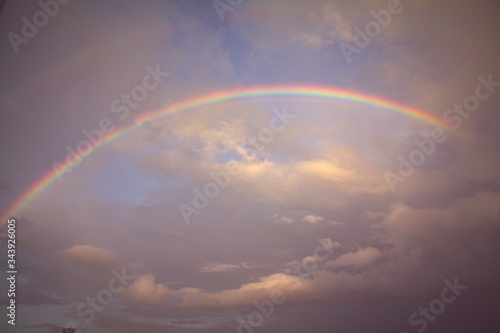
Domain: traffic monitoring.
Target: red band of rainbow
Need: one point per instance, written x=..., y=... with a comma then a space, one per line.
x=222, y=96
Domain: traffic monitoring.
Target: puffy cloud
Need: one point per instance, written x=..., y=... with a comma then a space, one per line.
x=144, y=289
x=243, y=295
x=356, y=259
x=453, y=235
x=328, y=244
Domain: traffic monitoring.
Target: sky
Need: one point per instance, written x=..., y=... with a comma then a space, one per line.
x=250, y=166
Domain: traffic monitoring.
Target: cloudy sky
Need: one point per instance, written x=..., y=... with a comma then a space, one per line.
x=271, y=213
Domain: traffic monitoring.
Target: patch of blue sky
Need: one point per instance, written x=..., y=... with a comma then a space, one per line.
x=230, y=155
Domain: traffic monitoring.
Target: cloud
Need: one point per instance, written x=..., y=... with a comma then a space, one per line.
x=325, y=169
x=330, y=27
x=327, y=244
x=215, y=267
x=282, y=219
x=89, y=255
x=313, y=218
x=144, y=289
x=457, y=233
x=356, y=259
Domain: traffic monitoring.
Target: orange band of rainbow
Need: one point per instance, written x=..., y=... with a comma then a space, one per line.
x=223, y=96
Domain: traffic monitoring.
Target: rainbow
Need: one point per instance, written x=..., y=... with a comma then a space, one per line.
x=223, y=96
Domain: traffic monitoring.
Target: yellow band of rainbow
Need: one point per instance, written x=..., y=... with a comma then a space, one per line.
x=223, y=96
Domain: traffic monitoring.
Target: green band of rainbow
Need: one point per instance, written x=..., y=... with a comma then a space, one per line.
x=222, y=96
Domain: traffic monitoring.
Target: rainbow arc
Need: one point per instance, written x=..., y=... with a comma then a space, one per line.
x=223, y=96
